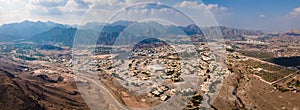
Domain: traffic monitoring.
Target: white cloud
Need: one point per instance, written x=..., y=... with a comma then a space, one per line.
x=190, y=4
x=153, y=12
x=12, y=11
x=71, y=11
x=57, y=7
x=75, y=7
x=262, y=16
x=139, y=1
x=214, y=8
x=102, y=2
x=49, y=3
x=295, y=12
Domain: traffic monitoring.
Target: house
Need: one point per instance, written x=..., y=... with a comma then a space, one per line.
x=156, y=68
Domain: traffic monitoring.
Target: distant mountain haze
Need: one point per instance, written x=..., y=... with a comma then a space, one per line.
x=50, y=32
x=56, y=35
x=27, y=29
x=7, y=38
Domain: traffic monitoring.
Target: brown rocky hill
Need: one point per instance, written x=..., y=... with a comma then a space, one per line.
x=12, y=96
x=20, y=90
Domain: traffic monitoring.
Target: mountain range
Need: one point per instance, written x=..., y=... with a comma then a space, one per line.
x=51, y=32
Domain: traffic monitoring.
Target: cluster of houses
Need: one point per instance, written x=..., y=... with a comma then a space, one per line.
x=149, y=52
x=294, y=85
x=210, y=69
x=161, y=91
x=173, y=71
x=149, y=64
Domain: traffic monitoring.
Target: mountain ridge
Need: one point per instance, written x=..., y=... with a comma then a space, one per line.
x=51, y=32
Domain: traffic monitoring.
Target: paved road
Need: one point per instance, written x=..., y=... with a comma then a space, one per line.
x=82, y=72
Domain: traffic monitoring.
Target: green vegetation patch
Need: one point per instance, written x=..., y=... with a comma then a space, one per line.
x=25, y=57
x=269, y=72
x=258, y=54
x=266, y=66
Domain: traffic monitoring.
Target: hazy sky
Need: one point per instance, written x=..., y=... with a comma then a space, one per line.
x=267, y=15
